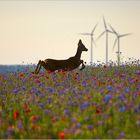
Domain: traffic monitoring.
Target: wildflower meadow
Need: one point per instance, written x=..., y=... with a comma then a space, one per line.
x=97, y=102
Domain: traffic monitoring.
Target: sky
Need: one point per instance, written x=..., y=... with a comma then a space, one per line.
x=33, y=30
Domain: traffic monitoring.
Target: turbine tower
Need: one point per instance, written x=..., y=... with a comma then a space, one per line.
x=105, y=32
x=92, y=41
x=118, y=40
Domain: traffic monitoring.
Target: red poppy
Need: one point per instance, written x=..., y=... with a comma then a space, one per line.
x=54, y=119
x=76, y=73
x=94, y=78
x=37, y=81
x=138, y=93
x=103, y=83
x=21, y=75
x=16, y=115
x=61, y=71
x=34, y=118
x=75, y=78
x=136, y=80
x=98, y=111
x=61, y=135
x=47, y=77
x=49, y=71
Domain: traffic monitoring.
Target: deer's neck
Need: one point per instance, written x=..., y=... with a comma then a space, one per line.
x=78, y=53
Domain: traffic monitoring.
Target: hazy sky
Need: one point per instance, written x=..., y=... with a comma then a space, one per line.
x=33, y=30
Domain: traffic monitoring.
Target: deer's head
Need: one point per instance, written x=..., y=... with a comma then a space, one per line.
x=81, y=46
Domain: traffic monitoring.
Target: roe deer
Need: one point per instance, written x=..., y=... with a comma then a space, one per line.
x=66, y=65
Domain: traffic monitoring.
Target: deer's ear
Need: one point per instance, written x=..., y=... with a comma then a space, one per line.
x=80, y=41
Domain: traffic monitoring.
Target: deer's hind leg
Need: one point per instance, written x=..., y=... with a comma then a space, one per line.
x=40, y=63
x=44, y=65
x=37, y=68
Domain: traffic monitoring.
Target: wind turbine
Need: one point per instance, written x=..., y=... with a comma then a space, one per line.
x=92, y=41
x=105, y=32
x=118, y=40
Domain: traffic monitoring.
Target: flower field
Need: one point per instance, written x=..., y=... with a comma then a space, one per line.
x=100, y=102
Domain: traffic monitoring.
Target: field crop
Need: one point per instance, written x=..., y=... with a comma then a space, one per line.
x=100, y=102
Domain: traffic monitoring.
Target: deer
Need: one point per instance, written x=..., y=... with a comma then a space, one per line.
x=65, y=65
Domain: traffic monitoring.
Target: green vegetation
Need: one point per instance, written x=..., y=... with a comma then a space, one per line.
x=100, y=102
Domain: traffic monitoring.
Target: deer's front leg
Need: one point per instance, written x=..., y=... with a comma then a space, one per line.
x=83, y=65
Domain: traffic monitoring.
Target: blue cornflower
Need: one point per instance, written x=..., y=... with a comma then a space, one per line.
x=72, y=130
x=40, y=84
x=15, y=90
x=122, y=109
x=49, y=100
x=78, y=125
x=127, y=89
x=109, y=87
x=46, y=112
x=84, y=83
x=37, y=92
x=24, y=88
x=41, y=105
x=25, y=80
x=139, y=107
x=134, y=95
x=33, y=91
x=82, y=107
x=107, y=98
x=138, y=123
x=86, y=104
x=87, y=90
x=20, y=126
x=122, y=134
x=74, y=91
x=120, y=97
x=90, y=127
x=43, y=95
x=50, y=89
x=61, y=92
x=135, y=110
x=73, y=119
x=66, y=112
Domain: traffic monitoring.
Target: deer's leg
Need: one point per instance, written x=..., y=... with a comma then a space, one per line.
x=83, y=65
x=37, y=68
x=40, y=63
x=81, y=61
x=44, y=65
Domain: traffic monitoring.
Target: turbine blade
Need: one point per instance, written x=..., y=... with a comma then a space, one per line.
x=104, y=23
x=100, y=35
x=124, y=35
x=115, y=44
x=109, y=31
x=94, y=28
x=113, y=29
x=85, y=34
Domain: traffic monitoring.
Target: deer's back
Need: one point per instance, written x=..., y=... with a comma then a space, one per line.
x=67, y=64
